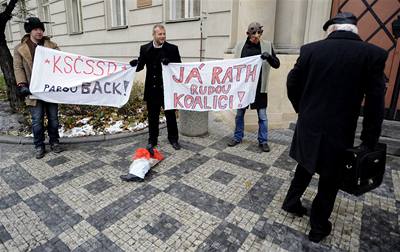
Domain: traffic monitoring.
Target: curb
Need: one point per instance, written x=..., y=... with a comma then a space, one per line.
x=76, y=140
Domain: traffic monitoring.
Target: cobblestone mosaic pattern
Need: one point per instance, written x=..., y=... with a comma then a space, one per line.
x=204, y=197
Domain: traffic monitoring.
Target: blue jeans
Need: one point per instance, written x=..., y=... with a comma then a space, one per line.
x=262, y=125
x=37, y=112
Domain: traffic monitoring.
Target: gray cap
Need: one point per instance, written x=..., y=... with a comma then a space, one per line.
x=254, y=27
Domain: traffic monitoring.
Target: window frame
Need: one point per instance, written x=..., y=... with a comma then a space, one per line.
x=110, y=15
x=70, y=20
x=189, y=11
x=41, y=11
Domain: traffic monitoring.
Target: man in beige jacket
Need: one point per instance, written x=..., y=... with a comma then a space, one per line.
x=24, y=54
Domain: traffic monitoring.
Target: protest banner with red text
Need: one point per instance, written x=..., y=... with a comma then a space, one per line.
x=61, y=77
x=212, y=85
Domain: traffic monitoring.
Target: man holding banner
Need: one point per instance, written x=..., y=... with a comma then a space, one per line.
x=23, y=62
x=254, y=45
x=151, y=56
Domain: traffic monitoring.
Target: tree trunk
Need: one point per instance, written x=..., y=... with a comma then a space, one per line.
x=6, y=64
x=6, y=60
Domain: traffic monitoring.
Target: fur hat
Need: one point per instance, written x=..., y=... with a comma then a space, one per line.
x=341, y=18
x=33, y=23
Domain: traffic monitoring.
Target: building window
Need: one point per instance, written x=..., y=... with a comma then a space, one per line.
x=74, y=16
x=44, y=13
x=116, y=14
x=183, y=9
x=8, y=31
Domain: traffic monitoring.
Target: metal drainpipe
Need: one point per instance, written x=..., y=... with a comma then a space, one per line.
x=203, y=15
x=201, y=38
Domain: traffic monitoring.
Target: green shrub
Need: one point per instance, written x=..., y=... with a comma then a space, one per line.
x=133, y=111
x=3, y=88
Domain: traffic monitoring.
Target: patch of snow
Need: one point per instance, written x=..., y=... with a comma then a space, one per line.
x=61, y=131
x=115, y=128
x=138, y=126
x=85, y=130
x=84, y=120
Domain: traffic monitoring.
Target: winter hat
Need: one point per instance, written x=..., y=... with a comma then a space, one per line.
x=33, y=23
x=341, y=18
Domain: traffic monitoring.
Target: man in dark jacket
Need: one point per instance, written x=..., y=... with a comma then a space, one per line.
x=151, y=56
x=254, y=45
x=326, y=88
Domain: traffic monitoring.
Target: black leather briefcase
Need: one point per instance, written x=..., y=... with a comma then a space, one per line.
x=363, y=171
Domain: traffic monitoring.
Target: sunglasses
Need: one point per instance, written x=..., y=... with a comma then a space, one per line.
x=259, y=32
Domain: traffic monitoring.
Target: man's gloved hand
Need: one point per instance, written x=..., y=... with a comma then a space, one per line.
x=133, y=62
x=265, y=55
x=165, y=61
x=23, y=90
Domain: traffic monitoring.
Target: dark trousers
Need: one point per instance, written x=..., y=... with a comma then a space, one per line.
x=153, y=110
x=37, y=113
x=323, y=202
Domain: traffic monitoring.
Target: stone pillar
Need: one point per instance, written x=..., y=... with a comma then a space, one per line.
x=318, y=12
x=243, y=12
x=262, y=11
x=192, y=123
x=290, y=25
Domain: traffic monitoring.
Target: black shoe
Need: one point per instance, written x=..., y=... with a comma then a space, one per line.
x=317, y=236
x=56, y=148
x=233, y=142
x=130, y=177
x=176, y=145
x=264, y=147
x=298, y=211
x=39, y=152
x=150, y=148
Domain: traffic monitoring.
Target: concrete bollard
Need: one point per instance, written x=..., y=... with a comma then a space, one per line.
x=193, y=123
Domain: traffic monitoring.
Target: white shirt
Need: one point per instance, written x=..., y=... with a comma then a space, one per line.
x=157, y=46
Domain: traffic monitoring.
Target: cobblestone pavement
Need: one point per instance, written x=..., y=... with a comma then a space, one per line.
x=205, y=197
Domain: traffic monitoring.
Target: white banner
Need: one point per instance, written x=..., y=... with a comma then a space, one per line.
x=61, y=77
x=212, y=85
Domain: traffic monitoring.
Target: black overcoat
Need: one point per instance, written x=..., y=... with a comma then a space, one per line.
x=326, y=88
x=153, y=88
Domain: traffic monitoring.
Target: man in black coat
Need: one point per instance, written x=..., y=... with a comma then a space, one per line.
x=254, y=45
x=151, y=56
x=326, y=88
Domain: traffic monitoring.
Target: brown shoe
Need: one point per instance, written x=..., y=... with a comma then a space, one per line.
x=233, y=142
